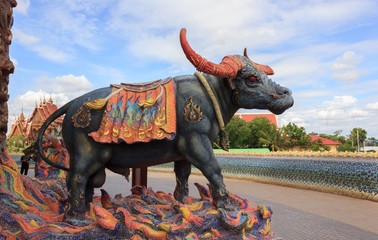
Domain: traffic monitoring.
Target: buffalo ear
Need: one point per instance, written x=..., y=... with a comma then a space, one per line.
x=230, y=83
x=245, y=53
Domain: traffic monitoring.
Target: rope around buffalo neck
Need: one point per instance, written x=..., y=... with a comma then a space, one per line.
x=224, y=142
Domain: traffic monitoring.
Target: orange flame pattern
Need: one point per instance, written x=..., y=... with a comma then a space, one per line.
x=33, y=209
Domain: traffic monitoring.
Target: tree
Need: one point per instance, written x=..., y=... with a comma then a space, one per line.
x=257, y=124
x=295, y=136
x=17, y=144
x=336, y=136
x=270, y=137
x=357, y=137
x=238, y=133
x=346, y=147
x=372, y=141
x=318, y=145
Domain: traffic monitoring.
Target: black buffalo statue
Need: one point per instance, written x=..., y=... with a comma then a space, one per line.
x=203, y=105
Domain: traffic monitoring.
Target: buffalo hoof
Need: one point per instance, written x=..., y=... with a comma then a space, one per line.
x=220, y=202
x=179, y=196
x=224, y=202
x=80, y=222
x=227, y=207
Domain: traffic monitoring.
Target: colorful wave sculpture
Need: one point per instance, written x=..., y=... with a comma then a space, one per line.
x=32, y=208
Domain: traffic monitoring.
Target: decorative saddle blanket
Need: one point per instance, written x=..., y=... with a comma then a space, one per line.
x=139, y=113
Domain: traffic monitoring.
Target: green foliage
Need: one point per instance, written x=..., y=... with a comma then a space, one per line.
x=319, y=146
x=335, y=136
x=238, y=133
x=295, y=136
x=17, y=144
x=357, y=137
x=372, y=141
x=260, y=132
x=315, y=147
x=346, y=147
x=270, y=137
x=256, y=125
x=242, y=134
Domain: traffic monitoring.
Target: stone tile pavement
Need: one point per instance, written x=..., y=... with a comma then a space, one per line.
x=297, y=214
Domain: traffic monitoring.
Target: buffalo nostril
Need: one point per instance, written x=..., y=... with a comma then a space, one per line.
x=286, y=91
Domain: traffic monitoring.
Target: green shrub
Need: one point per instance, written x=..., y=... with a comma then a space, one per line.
x=17, y=144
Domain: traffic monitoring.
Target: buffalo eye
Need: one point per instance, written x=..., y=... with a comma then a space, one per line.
x=252, y=78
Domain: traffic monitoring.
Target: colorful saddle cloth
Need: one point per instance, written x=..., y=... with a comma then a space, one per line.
x=139, y=113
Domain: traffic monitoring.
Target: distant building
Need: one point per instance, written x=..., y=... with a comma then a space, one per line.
x=29, y=127
x=326, y=142
x=369, y=148
x=250, y=116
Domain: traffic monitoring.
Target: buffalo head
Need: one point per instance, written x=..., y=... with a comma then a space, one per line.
x=251, y=87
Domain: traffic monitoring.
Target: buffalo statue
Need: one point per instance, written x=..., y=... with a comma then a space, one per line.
x=198, y=110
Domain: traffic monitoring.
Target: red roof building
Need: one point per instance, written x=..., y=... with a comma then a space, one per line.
x=325, y=141
x=250, y=116
x=29, y=127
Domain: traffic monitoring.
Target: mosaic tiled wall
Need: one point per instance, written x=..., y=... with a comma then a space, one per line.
x=351, y=177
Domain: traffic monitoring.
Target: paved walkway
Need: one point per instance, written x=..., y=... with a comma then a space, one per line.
x=297, y=214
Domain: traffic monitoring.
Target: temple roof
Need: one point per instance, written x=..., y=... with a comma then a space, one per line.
x=39, y=115
x=250, y=116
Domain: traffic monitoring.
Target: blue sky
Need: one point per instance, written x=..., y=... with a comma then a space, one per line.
x=326, y=52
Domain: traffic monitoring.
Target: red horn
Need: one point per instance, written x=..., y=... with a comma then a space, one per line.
x=229, y=66
x=264, y=68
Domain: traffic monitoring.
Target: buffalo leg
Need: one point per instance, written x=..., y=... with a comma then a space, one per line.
x=76, y=184
x=87, y=170
x=182, y=170
x=97, y=180
x=198, y=150
x=81, y=185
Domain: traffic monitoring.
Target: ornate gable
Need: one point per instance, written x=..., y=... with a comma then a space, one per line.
x=29, y=127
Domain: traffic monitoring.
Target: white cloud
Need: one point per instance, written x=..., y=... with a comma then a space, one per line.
x=233, y=26
x=292, y=118
x=229, y=26
x=109, y=74
x=42, y=48
x=312, y=93
x=347, y=75
x=346, y=67
x=145, y=48
x=14, y=61
x=299, y=69
x=89, y=7
x=53, y=30
x=372, y=106
x=339, y=113
x=68, y=84
x=24, y=38
x=340, y=107
x=22, y=6
x=26, y=102
x=306, y=42
x=347, y=61
x=357, y=113
x=52, y=53
x=60, y=89
x=340, y=102
x=75, y=28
